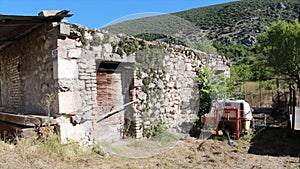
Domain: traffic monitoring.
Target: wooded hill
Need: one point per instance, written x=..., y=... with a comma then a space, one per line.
x=234, y=22
x=233, y=27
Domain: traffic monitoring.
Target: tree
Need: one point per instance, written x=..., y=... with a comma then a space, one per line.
x=259, y=69
x=280, y=45
x=240, y=72
x=213, y=86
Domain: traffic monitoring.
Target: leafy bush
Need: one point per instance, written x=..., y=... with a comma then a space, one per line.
x=205, y=46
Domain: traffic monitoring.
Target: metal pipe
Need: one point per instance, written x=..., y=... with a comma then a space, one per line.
x=115, y=111
x=237, y=124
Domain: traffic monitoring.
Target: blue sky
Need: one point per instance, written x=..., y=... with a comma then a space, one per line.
x=97, y=13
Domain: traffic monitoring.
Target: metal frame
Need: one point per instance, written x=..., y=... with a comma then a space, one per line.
x=227, y=118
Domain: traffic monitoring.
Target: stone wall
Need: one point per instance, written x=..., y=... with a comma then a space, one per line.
x=99, y=72
x=80, y=52
x=26, y=71
x=109, y=89
x=76, y=98
x=69, y=62
x=168, y=94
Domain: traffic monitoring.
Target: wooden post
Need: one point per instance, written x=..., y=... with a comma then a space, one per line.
x=259, y=87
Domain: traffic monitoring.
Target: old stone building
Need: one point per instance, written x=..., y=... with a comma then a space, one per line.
x=95, y=85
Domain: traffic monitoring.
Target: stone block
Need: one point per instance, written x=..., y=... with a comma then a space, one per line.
x=115, y=57
x=64, y=29
x=91, y=85
x=158, y=105
x=151, y=86
x=170, y=84
x=65, y=69
x=160, y=84
x=70, y=133
x=69, y=102
x=107, y=48
x=92, y=63
x=87, y=115
x=87, y=108
x=179, y=65
x=66, y=43
x=178, y=84
x=74, y=53
x=144, y=75
x=84, y=77
x=90, y=70
x=130, y=59
x=189, y=67
x=47, y=13
x=142, y=96
x=62, y=53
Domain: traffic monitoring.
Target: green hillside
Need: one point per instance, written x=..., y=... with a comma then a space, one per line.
x=237, y=21
x=233, y=27
x=228, y=23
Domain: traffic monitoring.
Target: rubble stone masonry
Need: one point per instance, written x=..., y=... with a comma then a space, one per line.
x=92, y=72
x=26, y=71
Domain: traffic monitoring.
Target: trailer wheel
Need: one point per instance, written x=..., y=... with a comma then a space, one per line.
x=289, y=129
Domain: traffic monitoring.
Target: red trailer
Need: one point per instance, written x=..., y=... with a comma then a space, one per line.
x=230, y=117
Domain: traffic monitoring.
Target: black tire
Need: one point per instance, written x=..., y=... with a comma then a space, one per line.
x=289, y=129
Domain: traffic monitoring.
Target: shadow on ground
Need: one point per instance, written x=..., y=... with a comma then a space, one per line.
x=275, y=141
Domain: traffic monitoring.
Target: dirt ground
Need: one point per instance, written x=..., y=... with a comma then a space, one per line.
x=268, y=148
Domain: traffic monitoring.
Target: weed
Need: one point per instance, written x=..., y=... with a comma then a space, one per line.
x=47, y=105
x=156, y=129
x=83, y=40
x=98, y=150
x=96, y=41
x=54, y=147
x=106, y=38
x=236, y=149
x=129, y=46
x=248, y=137
x=297, y=167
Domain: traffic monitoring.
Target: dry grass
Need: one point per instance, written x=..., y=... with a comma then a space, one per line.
x=43, y=154
x=190, y=153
